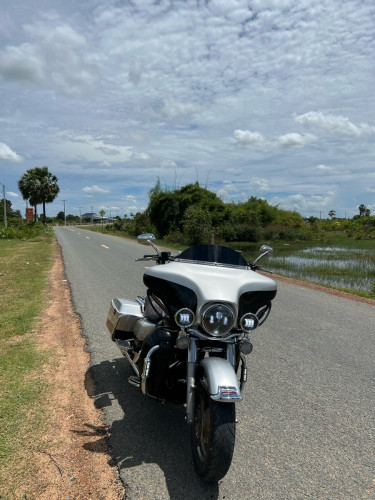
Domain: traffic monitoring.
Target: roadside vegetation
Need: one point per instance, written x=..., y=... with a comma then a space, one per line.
x=24, y=271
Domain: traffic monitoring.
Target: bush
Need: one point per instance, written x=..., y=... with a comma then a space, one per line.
x=21, y=230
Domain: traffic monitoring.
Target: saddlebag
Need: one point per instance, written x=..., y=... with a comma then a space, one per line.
x=122, y=316
x=125, y=320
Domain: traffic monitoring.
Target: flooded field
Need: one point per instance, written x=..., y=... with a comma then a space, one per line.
x=352, y=268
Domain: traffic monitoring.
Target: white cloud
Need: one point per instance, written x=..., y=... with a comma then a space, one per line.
x=141, y=157
x=248, y=138
x=226, y=190
x=334, y=123
x=173, y=109
x=260, y=185
x=10, y=194
x=293, y=140
x=324, y=168
x=94, y=149
x=234, y=171
x=6, y=153
x=305, y=204
x=53, y=61
x=95, y=190
x=168, y=164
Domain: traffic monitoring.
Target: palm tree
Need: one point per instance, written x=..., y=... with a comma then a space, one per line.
x=38, y=185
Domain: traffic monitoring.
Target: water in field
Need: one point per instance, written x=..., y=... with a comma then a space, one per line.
x=352, y=268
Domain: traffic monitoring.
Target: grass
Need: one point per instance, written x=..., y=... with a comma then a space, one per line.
x=339, y=263
x=25, y=266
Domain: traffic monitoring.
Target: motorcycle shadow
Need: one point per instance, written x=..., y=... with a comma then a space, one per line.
x=145, y=431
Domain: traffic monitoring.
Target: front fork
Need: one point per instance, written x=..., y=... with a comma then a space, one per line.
x=190, y=382
x=191, y=371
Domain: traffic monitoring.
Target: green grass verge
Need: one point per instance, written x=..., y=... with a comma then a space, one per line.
x=24, y=270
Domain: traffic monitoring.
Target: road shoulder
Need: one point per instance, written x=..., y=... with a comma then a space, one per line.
x=74, y=460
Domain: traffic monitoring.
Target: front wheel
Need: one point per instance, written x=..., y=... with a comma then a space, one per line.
x=212, y=436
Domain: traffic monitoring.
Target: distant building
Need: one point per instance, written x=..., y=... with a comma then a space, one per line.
x=91, y=215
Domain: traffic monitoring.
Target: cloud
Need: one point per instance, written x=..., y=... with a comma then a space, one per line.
x=168, y=164
x=54, y=61
x=225, y=191
x=324, y=168
x=247, y=138
x=259, y=185
x=141, y=157
x=303, y=203
x=92, y=149
x=334, y=123
x=10, y=194
x=6, y=153
x=173, y=109
x=95, y=190
x=234, y=171
x=135, y=72
x=130, y=197
x=293, y=140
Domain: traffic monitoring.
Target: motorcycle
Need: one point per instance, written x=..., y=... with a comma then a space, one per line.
x=187, y=339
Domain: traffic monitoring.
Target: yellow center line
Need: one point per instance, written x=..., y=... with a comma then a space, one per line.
x=104, y=246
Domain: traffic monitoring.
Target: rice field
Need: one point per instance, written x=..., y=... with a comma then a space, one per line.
x=335, y=266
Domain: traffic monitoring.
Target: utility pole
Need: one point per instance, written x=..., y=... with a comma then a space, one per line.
x=5, y=206
x=64, y=213
x=80, y=215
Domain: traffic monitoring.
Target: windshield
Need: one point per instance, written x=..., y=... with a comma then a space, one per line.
x=213, y=253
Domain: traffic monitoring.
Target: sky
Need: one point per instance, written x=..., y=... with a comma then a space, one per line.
x=266, y=98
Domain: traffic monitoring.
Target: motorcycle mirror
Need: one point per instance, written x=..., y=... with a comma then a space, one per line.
x=266, y=249
x=144, y=239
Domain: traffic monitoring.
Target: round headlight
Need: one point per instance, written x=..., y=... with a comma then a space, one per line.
x=184, y=317
x=217, y=319
x=249, y=322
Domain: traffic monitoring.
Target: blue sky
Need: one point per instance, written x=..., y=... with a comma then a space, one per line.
x=270, y=98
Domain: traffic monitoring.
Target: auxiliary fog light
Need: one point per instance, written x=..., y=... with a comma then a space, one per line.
x=249, y=322
x=184, y=317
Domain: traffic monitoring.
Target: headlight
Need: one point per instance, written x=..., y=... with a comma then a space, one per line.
x=184, y=317
x=249, y=322
x=217, y=319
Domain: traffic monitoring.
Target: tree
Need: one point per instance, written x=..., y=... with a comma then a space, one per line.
x=167, y=208
x=10, y=212
x=102, y=214
x=363, y=211
x=38, y=185
x=332, y=213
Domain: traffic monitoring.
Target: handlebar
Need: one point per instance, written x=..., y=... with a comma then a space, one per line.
x=255, y=267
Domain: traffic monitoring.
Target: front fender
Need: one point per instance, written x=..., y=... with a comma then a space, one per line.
x=220, y=380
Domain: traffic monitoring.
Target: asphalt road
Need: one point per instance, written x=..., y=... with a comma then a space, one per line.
x=306, y=425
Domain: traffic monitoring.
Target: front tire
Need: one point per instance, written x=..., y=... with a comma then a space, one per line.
x=212, y=436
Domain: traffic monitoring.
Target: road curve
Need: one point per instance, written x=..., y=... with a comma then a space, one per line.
x=306, y=425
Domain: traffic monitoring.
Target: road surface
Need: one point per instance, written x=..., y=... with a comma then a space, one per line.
x=306, y=426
